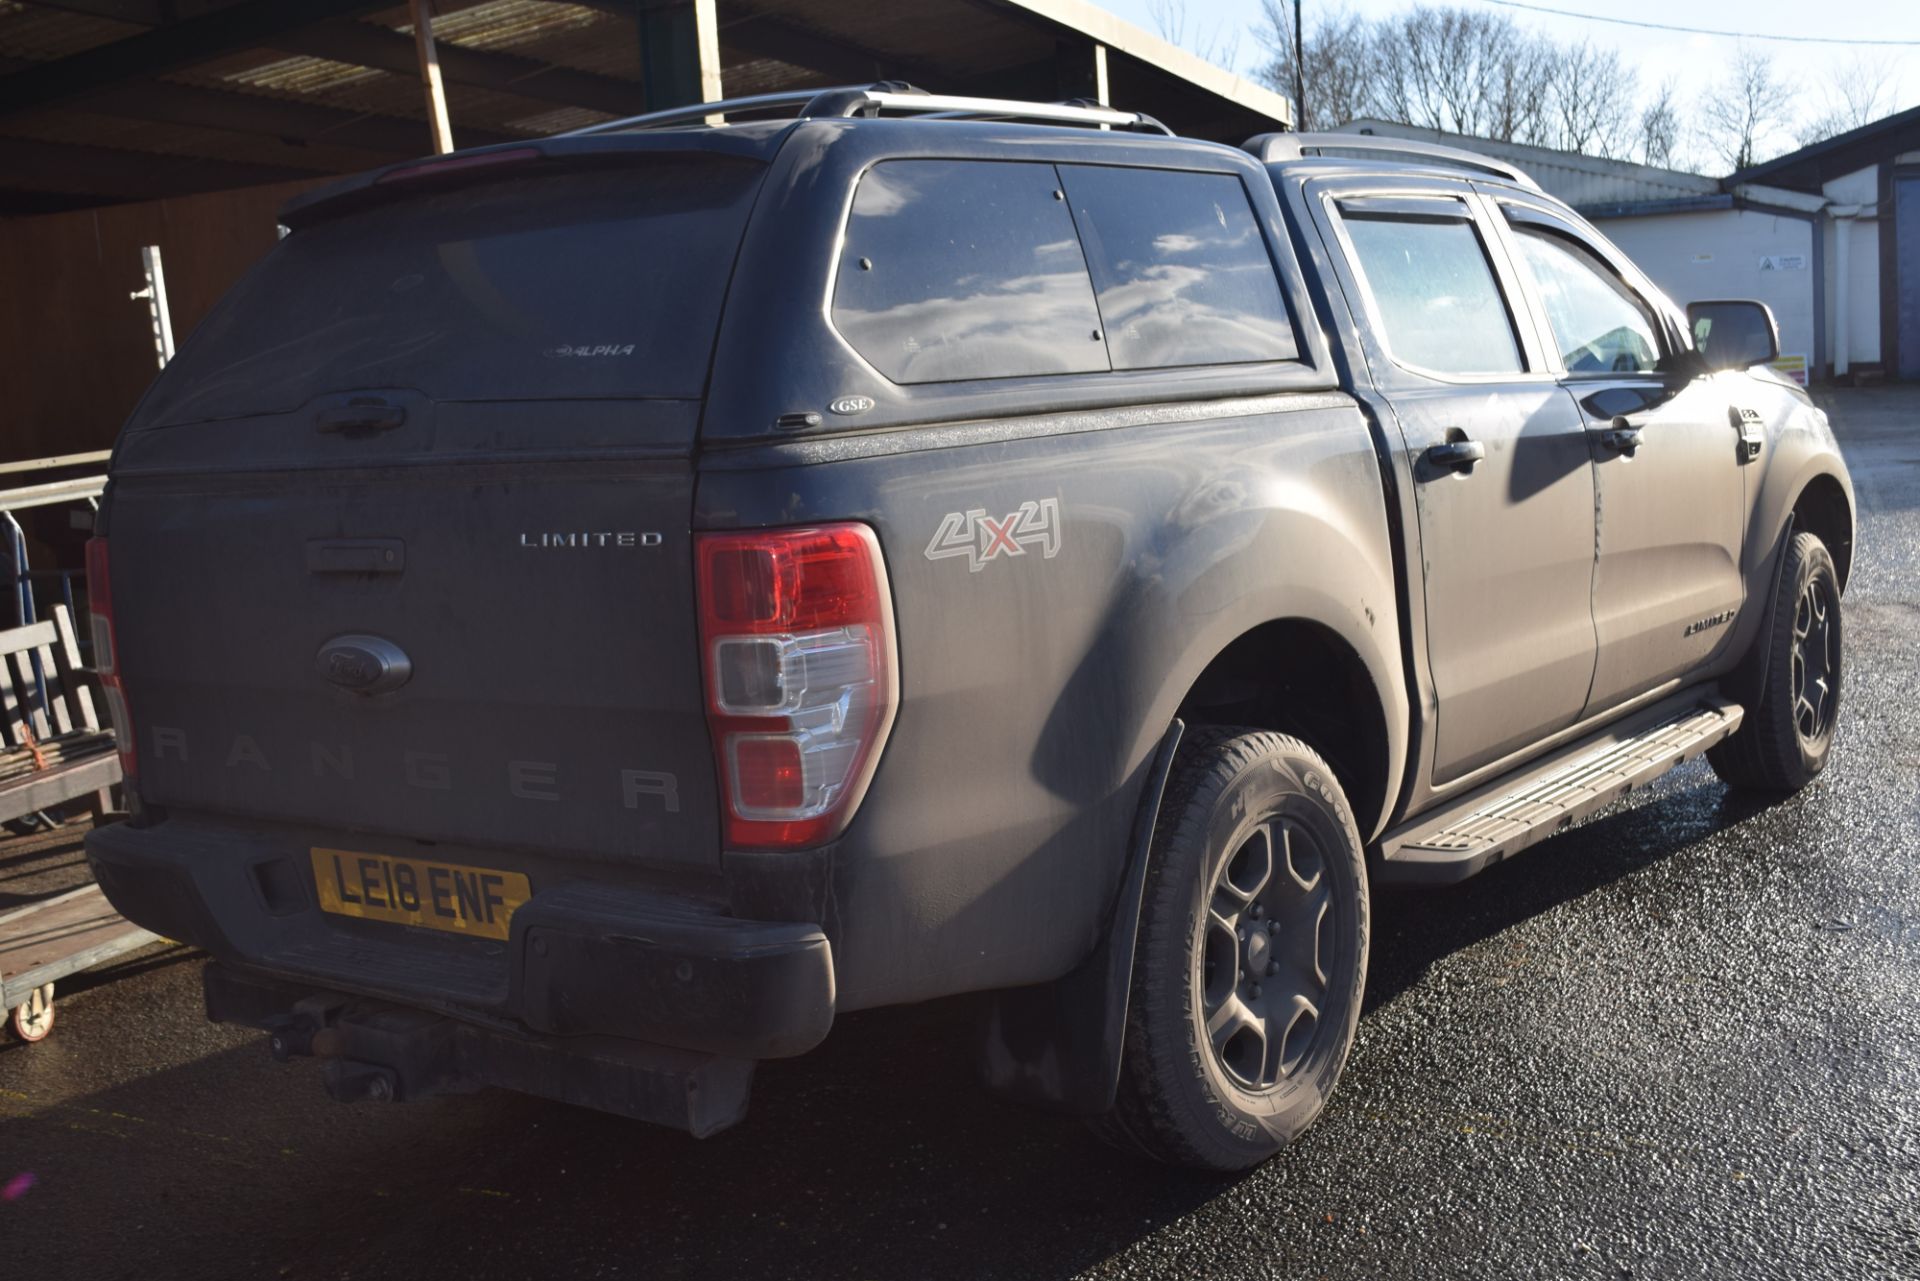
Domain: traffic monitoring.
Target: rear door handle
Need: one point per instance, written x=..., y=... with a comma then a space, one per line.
x=1456, y=455
x=1621, y=437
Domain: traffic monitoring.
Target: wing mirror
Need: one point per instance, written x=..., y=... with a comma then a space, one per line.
x=1733, y=333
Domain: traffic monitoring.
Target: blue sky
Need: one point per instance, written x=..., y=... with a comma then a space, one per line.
x=1211, y=27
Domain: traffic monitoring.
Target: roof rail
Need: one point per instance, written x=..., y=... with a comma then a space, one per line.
x=1271, y=148
x=876, y=99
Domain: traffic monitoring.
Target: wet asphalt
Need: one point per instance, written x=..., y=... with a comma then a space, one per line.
x=1682, y=1040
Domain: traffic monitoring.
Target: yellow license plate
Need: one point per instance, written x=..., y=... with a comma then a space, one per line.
x=477, y=901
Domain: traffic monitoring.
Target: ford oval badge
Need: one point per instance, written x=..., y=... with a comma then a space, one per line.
x=364, y=664
x=852, y=405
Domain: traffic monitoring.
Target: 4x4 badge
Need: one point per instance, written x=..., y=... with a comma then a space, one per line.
x=980, y=537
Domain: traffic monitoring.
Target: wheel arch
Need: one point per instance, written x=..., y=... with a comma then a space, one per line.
x=1824, y=509
x=1300, y=676
x=1822, y=505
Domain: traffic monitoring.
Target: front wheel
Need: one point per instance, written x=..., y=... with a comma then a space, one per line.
x=1251, y=959
x=1788, y=734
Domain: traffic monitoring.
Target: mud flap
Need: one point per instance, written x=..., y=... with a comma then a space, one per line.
x=1057, y=1045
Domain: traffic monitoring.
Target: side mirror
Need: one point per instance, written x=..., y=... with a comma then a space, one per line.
x=1733, y=333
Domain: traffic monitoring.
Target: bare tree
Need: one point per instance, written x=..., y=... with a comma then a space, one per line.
x=1471, y=72
x=1592, y=102
x=1465, y=71
x=1861, y=94
x=1440, y=67
x=1660, y=128
x=1524, y=93
x=1210, y=43
x=1746, y=107
x=1338, y=62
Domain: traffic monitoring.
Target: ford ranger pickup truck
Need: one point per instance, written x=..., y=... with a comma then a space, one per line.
x=583, y=615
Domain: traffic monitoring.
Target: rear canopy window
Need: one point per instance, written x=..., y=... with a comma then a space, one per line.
x=956, y=269
x=1180, y=268
x=592, y=285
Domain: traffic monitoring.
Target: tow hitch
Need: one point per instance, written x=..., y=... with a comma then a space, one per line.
x=379, y=1052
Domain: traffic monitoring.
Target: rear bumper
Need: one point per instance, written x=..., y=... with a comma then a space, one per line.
x=584, y=960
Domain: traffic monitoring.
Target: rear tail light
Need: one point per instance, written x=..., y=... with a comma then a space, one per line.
x=106, y=652
x=797, y=631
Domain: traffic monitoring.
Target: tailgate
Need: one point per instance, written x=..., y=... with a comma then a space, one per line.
x=544, y=613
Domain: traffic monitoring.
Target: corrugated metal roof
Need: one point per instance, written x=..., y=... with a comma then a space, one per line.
x=1575, y=178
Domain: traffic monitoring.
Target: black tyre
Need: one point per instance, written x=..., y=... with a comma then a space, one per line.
x=1787, y=736
x=1252, y=955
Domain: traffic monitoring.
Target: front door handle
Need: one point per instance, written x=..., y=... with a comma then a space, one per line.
x=1456, y=455
x=1621, y=437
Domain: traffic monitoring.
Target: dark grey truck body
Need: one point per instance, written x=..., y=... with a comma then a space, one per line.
x=1251, y=543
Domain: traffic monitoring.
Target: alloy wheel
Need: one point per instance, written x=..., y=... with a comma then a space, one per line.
x=1265, y=956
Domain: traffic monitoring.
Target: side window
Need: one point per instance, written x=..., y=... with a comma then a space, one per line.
x=958, y=269
x=1435, y=292
x=1180, y=268
x=1598, y=324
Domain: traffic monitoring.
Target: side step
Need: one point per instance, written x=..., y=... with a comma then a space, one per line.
x=1472, y=834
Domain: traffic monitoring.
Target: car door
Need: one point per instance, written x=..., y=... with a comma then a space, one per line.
x=1667, y=457
x=1498, y=460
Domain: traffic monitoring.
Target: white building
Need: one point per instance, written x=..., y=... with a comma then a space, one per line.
x=1815, y=234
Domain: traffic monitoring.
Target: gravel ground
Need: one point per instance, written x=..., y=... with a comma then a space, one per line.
x=1682, y=1040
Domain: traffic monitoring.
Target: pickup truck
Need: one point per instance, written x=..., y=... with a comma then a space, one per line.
x=583, y=615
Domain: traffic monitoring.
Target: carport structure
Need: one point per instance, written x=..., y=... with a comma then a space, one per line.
x=104, y=101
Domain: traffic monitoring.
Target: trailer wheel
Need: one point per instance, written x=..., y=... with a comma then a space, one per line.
x=32, y=1019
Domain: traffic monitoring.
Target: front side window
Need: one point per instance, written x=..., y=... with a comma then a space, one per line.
x=1599, y=326
x=958, y=269
x=1180, y=268
x=1435, y=292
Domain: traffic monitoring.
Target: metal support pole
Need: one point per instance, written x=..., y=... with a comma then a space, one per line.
x=19, y=586
x=155, y=295
x=1299, y=68
x=1100, y=76
x=437, y=119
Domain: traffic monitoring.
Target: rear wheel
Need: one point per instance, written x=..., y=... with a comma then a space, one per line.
x=1251, y=959
x=1788, y=734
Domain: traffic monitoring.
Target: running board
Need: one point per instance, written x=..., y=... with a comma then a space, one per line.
x=1500, y=820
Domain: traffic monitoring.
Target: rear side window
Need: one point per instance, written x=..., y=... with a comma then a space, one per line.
x=1435, y=292
x=1181, y=271
x=957, y=269
x=592, y=285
